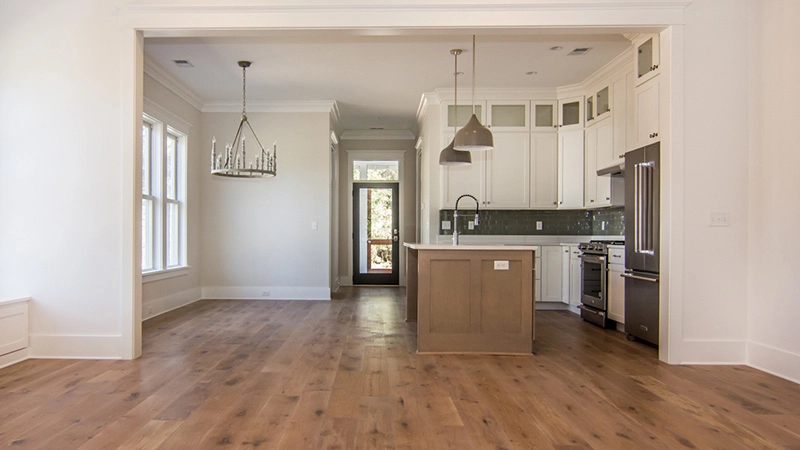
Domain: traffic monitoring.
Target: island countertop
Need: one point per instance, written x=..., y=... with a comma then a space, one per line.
x=471, y=247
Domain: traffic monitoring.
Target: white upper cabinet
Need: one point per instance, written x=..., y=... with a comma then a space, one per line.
x=509, y=116
x=498, y=178
x=648, y=112
x=570, y=114
x=598, y=105
x=647, y=57
x=570, y=169
x=544, y=115
x=507, y=171
x=544, y=170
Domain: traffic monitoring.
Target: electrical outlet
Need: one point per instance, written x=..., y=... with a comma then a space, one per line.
x=719, y=219
x=471, y=225
x=501, y=265
x=538, y=224
x=265, y=293
x=445, y=224
x=314, y=225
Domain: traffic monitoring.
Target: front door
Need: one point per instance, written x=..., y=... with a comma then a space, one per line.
x=376, y=239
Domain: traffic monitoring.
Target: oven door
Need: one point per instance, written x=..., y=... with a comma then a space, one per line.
x=593, y=281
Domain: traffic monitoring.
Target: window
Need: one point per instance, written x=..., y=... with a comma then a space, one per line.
x=163, y=196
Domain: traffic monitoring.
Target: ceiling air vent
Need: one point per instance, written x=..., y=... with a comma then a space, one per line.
x=579, y=51
x=182, y=63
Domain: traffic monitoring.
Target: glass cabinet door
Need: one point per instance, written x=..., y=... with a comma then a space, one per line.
x=647, y=59
x=590, y=108
x=571, y=113
x=603, y=101
x=511, y=116
x=543, y=116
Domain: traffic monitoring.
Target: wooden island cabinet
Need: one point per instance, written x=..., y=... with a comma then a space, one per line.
x=471, y=298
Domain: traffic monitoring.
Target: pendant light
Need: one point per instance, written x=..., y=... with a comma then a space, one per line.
x=233, y=163
x=474, y=136
x=449, y=156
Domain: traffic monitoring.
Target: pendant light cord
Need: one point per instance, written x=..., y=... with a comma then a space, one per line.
x=455, y=75
x=473, y=74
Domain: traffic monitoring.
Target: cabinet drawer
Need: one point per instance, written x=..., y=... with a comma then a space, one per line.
x=616, y=256
x=13, y=327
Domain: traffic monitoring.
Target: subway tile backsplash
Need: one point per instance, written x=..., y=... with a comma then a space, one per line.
x=600, y=222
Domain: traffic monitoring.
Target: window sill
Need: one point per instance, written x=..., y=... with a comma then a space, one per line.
x=157, y=275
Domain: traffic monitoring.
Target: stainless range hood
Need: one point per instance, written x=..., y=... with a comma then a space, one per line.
x=618, y=170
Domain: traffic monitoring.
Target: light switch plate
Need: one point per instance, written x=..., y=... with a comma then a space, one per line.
x=501, y=265
x=445, y=224
x=471, y=225
x=538, y=224
x=719, y=219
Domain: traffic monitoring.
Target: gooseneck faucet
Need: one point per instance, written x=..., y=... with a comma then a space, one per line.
x=455, y=216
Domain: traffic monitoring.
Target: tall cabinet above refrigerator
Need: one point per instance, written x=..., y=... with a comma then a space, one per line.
x=642, y=194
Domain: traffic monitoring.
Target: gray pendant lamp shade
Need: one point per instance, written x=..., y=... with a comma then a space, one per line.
x=449, y=156
x=474, y=136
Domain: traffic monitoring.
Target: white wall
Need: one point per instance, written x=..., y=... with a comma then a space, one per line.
x=774, y=194
x=257, y=233
x=714, y=172
x=61, y=174
x=167, y=294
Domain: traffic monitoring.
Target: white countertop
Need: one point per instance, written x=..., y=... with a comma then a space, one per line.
x=470, y=247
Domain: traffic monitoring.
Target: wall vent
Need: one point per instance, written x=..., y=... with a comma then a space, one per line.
x=182, y=63
x=579, y=51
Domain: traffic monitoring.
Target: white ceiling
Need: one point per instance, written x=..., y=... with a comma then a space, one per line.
x=376, y=78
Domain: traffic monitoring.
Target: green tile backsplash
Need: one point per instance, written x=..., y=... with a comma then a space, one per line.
x=600, y=222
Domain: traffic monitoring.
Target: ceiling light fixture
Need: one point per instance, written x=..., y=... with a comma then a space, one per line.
x=449, y=156
x=474, y=136
x=232, y=163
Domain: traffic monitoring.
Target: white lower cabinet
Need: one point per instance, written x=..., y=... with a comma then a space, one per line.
x=616, y=284
x=13, y=327
x=551, y=273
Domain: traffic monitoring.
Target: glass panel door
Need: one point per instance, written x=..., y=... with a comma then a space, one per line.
x=376, y=238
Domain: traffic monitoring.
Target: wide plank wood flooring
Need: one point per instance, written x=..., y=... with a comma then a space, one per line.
x=344, y=375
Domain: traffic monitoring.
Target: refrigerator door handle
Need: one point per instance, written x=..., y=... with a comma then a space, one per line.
x=643, y=208
x=637, y=277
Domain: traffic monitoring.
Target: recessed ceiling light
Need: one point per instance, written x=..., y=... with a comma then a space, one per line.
x=579, y=51
x=556, y=48
x=182, y=63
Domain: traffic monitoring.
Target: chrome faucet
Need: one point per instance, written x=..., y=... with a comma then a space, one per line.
x=455, y=216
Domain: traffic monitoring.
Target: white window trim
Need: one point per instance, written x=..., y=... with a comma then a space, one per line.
x=161, y=129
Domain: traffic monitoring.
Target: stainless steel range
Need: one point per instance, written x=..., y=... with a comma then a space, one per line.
x=594, y=282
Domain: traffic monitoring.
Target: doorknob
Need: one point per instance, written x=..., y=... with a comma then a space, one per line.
x=394, y=238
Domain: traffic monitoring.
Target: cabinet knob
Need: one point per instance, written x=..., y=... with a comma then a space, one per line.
x=608, y=198
x=591, y=201
x=622, y=156
x=555, y=203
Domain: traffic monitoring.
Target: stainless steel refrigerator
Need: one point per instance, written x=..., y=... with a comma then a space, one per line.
x=642, y=204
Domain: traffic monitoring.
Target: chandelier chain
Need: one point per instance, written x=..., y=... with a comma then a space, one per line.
x=244, y=91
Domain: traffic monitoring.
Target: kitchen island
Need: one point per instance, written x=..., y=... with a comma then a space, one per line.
x=471, y=298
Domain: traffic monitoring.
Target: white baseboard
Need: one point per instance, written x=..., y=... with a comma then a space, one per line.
x=267, y=293
x=55, y=346
x=710, y=352
x=14, y=357
x=773, y=360
x=155, y=307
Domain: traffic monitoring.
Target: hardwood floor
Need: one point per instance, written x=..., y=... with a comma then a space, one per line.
x=344, y=374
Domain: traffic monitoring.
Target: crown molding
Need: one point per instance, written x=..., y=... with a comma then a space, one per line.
x=168, y=81
x=378, y=135
x=623, y=60
x=297, y=106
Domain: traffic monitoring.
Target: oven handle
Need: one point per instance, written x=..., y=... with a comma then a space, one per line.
x=636, y=277
x=592, y=258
